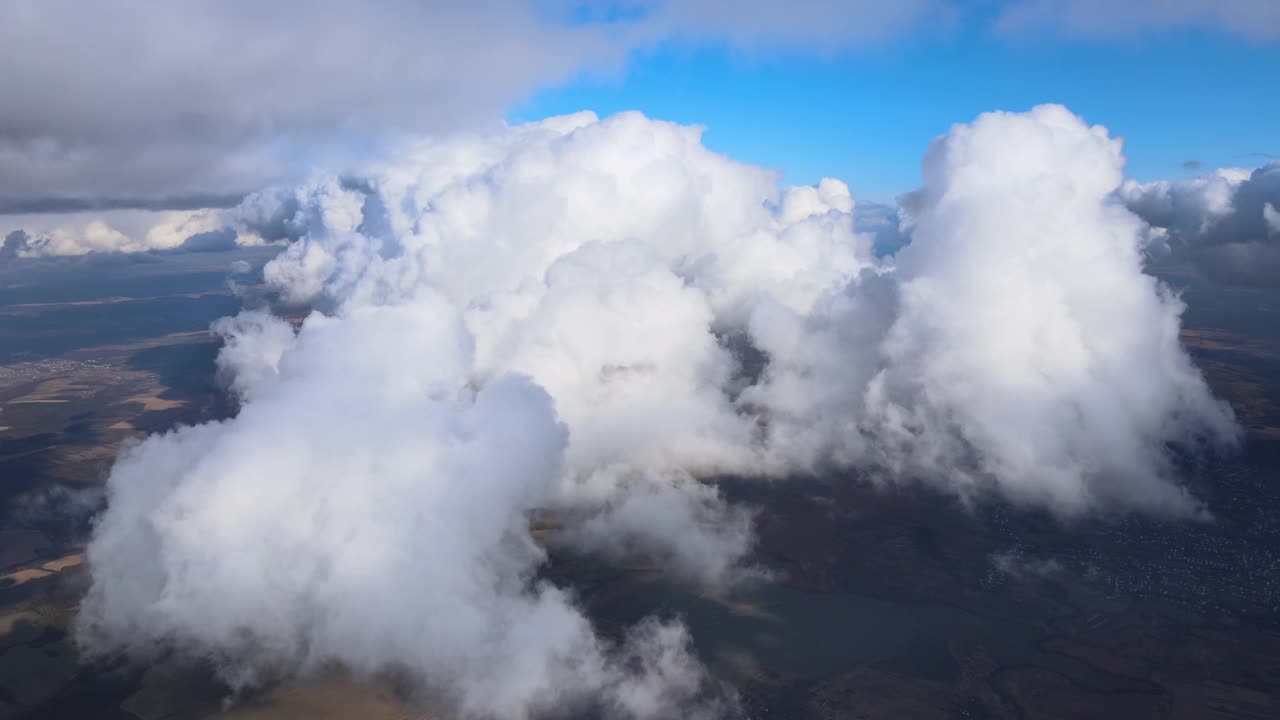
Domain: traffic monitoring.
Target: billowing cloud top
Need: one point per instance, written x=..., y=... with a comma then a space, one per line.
x=589, y=315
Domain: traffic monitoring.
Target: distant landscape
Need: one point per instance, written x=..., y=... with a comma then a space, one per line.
x=891, y=602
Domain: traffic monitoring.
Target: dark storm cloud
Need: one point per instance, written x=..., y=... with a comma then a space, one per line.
x=1225, y=224
x=14, y=243
x=212, y=241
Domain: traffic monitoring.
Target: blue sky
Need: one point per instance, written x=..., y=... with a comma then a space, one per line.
x=867, y=115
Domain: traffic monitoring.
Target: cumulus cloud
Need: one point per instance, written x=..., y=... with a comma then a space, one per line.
x=276, y=215
x=15, y=243
x=392, y=541
x=986, y=354
x=671, y=518
x=253, y=344
x=593, y=317
x=117, y=231
x=1222, y=223
x=1255, y=19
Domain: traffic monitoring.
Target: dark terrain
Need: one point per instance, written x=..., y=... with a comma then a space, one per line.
x=886, y=602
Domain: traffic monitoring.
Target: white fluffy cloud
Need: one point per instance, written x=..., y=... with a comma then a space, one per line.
x=1223, y=223
x=367, y=507
x=1029, y=348
x=593, y=316
x=1272, y=216
x=1015, y=343
x=276, y=215
x=119, y=231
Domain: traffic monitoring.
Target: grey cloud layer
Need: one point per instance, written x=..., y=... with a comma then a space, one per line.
x=146, y=100
x=590, y=317
x=58, y=204
x=1258, y=20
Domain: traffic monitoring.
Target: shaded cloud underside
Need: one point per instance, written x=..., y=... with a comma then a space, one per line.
x=103, y=102
x=1223, y=225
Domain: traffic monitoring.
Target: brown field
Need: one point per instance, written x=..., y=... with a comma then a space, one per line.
x=64, y=562
x=152, y=402
x=1204, y=339
x=22, y=577
x=35, y=402
x=48, y=569
x=171, y=691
